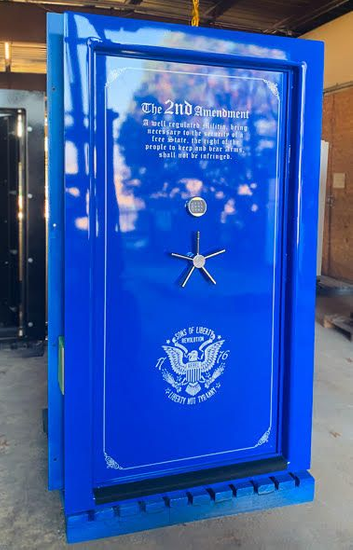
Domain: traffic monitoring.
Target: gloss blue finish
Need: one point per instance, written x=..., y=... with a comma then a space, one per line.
x=141, y=218
x=128, y=414
x=55, y=91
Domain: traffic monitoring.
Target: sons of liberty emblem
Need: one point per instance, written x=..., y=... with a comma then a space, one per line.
x=194, y=361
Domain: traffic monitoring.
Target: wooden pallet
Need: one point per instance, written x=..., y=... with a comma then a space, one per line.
x=341, y=322
x=328, y=286
x=221, y=499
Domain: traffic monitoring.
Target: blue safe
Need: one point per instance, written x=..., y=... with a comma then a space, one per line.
x=183, y=182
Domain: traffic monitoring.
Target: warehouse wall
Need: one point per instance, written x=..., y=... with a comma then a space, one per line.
x=337, y=129
x=23, y=81
x=338, y=38
x=22, y=23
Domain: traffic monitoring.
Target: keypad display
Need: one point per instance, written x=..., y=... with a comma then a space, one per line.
x=197, y=206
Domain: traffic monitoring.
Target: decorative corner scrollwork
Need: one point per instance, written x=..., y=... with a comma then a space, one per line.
x=114, y=74
x=273, y=87
x=264, y=438
x=111, y=463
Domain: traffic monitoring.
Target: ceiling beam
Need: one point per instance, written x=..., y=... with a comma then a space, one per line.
x=218, y=9
x=295, y=21
x=321, y=11
x=30, y=16
x=132, y=3
x=17, y=10
x=101, y=5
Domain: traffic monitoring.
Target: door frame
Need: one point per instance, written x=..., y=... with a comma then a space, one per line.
x=303, y=60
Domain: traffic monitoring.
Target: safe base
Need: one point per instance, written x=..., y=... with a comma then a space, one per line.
x=221, y=499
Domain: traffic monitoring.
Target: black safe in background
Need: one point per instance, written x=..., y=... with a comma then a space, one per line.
x=22, y=216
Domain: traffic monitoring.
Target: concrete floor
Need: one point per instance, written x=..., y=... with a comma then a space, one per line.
x=31, y=517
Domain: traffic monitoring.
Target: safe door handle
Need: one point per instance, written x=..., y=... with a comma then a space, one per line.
x=198, y=261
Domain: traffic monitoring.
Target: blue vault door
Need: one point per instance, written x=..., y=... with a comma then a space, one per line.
x=191, y=162
x=179, y=294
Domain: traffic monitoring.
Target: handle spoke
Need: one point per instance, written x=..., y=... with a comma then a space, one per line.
x=197, y=242
x=175, y=255
x=208, y=274
x=188, y=275
x=215, y=253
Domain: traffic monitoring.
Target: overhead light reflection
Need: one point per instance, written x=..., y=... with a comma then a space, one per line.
x=7, y=56
x=19, y=125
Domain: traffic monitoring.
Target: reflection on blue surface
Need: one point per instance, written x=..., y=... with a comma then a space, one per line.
x=152, y=188
x=158, y=378
x=167, y=132
x=164, y=132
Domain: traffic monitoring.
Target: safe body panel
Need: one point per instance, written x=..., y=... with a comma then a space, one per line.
x=163, y=379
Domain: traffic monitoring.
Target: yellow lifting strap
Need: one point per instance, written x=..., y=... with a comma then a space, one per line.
x=195, y=21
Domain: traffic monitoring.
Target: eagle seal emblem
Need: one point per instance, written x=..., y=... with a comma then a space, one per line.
x=194, y=360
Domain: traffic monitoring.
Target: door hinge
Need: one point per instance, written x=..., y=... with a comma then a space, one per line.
x=61, y=364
